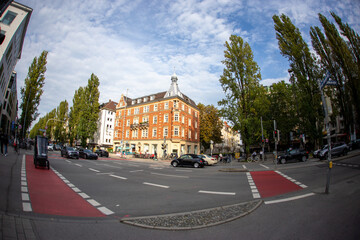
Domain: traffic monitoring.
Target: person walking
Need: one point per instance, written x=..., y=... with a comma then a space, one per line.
x=5, y=142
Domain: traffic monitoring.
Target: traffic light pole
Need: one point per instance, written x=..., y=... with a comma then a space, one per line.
x=276, y=142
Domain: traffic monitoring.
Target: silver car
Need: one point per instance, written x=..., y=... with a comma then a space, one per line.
x=337, y=149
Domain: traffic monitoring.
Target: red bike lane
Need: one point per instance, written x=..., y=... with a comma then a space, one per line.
x=270, y=183
x=50, y=195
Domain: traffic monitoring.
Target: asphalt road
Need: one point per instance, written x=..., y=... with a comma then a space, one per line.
x=123, y=188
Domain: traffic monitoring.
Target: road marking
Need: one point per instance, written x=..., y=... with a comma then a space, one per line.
x=93, y=202
x=264, y=166
x=105, y=210
x=168, y=175
x=115, y=176
x=94, y=170
x=180, y=170
x=244, y=166
x=155, y=185
x=84, y=195
x=291, y=179
x=219, y=193
x=137, y=171
x=24, y=189
x=289, y=199
x=78, y=165
x=254, y=190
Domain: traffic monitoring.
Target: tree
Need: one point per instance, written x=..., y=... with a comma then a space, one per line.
x=341, y=59
x=85, y=110
x=282, y=109
x=211, y=125
x=243, y=94
x=32, y=91
x=304, y=75
x=61, y=120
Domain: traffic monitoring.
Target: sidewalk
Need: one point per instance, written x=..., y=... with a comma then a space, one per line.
x=12, y=224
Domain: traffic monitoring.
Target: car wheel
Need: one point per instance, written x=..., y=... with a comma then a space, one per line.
x=196, y=165
x=304, y=158
x=283, y=161
x=174, y=164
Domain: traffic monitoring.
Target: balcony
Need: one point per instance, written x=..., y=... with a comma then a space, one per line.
x=144, y=125
x=134, y=126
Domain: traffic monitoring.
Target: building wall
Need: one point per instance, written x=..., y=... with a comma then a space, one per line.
x=104, y=136
x=10, y=52
x=145, y=127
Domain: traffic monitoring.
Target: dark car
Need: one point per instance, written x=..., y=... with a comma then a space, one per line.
x=354, y=144
x=337, y=149
x=188, y=160
x=87, y=154
x=294, y=154
x=69, y=152
x=102, y=153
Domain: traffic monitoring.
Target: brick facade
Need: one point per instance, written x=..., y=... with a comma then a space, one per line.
x=145, y=123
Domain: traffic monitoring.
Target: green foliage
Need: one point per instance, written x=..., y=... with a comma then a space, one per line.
x=32, y=91
x=85, y=110
x=244, y=97
x=304, y=75
x=211, y=125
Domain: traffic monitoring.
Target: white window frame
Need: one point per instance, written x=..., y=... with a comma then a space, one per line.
x=166, y=132
x=155, y=119
x=166, y=118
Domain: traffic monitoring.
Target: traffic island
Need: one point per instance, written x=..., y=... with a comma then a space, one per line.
x=195, y=219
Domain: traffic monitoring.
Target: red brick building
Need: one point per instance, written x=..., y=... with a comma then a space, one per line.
x=144, y=124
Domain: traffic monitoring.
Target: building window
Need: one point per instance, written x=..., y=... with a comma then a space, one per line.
x=135, y=134
x=154, y=119
x=189, y=134
x=152, y=97
x=166, y=106
x=189, y=122
x=155, y=107
x=195, y=124
x=165, y=132
x=189, y=110
x=154, y=132
x=176, y=117
x=129, y=111
x=128, y=122
x=9, y=18
x=195, y=114
x=145, y=119
x=166, y=118
x=195, y=135
x=116, y=134
x=127, y=133
x=146, y=109
x=183, y=107
x=145, y=133
x=136, y=121
x=176, y=131
x=183, y=119
x=176, y=103
x=182, y=132
x=136, y=111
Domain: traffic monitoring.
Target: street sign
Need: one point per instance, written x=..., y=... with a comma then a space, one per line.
x=42, y=130
x=324, y=81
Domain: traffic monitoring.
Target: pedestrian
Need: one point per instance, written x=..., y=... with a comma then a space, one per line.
x=5, y=141
x=155, y=155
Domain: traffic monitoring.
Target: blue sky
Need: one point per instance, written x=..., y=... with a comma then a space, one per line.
x=136, y=44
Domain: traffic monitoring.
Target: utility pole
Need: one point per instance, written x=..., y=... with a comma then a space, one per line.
x=276, y=143
x=262, y=139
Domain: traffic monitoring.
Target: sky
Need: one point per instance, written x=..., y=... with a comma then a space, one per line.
x=134, y=46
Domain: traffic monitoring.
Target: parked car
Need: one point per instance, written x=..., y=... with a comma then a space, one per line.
x=87, y=154
x=69, y=152
x=337, y=149
x=57, y=147
x=50, y=147
x=208, y=159
x=355, y=144
x=189, y=160
x=102, y=153
x=291, y=154
x=316, y=153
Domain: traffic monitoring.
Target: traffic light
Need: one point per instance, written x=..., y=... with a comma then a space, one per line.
x=277, y=135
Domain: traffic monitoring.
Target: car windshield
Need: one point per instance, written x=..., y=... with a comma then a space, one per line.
x=70, y=149
x=87, y=151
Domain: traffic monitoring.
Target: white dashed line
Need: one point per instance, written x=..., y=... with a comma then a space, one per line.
x=291, y=179
x=254, y=190
x=93, y=202
x=244, y=166
x=115, y=176
x=155, y=185
x=24, y=189
x=94, y=170
x=136, y=171
x=264, y=166
x=79, y=165
x=218, y=193
x=168, y=175
x=105, y=210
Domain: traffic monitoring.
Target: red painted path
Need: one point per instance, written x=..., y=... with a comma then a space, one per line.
x=50, y=195
x=270, y=183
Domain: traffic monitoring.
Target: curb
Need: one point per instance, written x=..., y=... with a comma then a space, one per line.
x=195, y=219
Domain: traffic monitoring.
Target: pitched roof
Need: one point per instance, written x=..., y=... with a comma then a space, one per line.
x=111, y=105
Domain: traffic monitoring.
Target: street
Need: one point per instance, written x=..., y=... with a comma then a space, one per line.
x=78, y=199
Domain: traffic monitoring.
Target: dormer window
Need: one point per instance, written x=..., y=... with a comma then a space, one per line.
x=152, y=97
x=145, y=99
x=133, y=102
x=139, y=100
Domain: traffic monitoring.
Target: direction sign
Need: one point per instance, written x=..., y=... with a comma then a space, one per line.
x=324, y=81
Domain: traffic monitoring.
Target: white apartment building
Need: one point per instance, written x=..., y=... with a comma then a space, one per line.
x=14, y=20
x=103, y=138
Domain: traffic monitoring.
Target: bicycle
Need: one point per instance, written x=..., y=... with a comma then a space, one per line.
x=253, y=158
